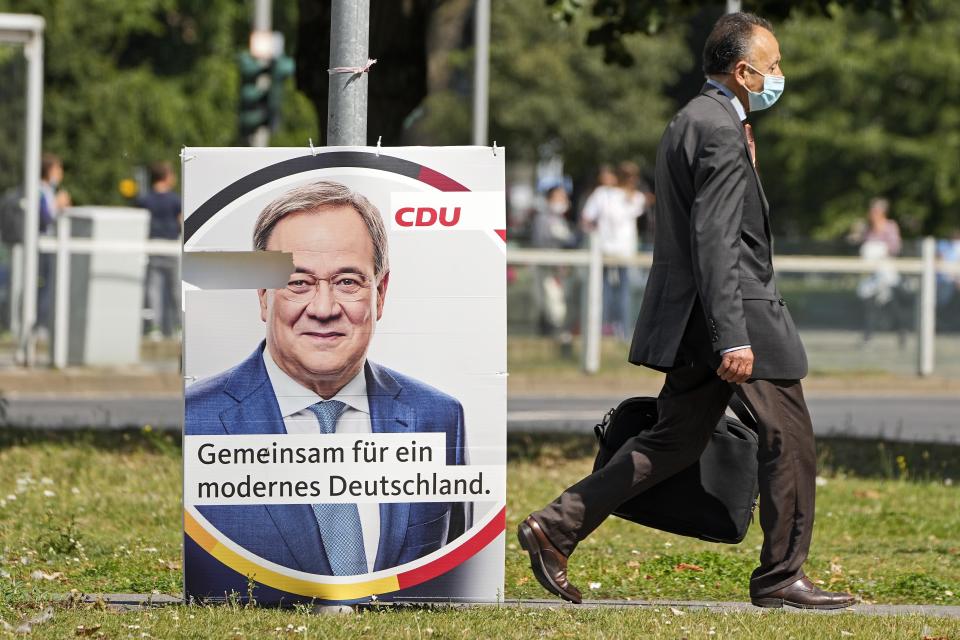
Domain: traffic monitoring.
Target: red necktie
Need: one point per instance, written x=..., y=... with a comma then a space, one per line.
x=748, y=130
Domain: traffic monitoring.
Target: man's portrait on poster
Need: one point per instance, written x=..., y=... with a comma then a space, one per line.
x=311, y=375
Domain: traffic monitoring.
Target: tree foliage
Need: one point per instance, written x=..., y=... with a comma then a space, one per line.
x=871, y=108
x=612, y=20
x=550, y=92
x=871, y=102
x=398, y=82
x=13, y=86
x=127, y=83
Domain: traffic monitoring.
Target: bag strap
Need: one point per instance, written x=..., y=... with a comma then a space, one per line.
x=600, y=429
x=743, y=413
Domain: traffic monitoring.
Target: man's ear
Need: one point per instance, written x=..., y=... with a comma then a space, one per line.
x=740, y=73
x=262, y=294
x=382, y=293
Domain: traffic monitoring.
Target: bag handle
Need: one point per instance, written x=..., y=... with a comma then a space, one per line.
x=743, y=413
x=600, y=429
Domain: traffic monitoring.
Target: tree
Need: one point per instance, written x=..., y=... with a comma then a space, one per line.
x=410, y=41
x=549, y=90
x=13, y=87
x=616, y=19
x=870, y=109
x=126, y=83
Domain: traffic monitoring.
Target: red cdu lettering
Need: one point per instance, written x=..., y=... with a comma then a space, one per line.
x=454, y=218
x=400, y=214
x=426, y=217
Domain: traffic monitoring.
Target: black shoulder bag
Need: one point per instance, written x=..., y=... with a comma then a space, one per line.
x=714, y=498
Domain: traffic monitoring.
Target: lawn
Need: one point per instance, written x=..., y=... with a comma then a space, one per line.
x=888, y=541
x=504, y=623
x=100, y=512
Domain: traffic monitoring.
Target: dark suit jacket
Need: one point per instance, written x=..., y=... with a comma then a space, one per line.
x=242, y=401
x=712, y=284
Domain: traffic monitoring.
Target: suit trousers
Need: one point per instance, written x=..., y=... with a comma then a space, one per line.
x=690, y=404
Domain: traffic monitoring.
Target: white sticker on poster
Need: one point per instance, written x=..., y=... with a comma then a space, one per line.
x=345, y=411
x=457, y=211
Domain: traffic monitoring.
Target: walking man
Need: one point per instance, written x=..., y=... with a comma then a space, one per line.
x=713, y=320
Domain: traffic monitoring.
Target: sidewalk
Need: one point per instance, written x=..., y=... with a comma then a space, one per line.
x=890, y=407
x=164, y=378
x=851, y=390
x=91, y=381
x=839, y=364
x=133, y=601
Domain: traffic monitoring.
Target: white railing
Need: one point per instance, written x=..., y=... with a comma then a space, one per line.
x=926, y=266
x=27, y=30
x=64, y=246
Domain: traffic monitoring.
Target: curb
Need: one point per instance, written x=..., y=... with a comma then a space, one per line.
x=133, y=601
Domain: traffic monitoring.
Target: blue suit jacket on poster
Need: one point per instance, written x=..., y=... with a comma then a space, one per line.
x=241, y=401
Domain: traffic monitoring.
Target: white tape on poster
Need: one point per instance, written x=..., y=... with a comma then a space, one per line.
x=349, y=468
x=447, y=211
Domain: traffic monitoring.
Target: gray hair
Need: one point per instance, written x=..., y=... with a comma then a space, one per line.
x=325, y=194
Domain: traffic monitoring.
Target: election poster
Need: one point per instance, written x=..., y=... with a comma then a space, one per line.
x=344, y=365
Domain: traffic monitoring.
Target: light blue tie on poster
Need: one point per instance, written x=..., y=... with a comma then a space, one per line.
x=339, y=523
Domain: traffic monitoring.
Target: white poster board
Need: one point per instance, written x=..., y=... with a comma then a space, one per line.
x=345, y=374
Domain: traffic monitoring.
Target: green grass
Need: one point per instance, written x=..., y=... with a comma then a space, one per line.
x=100, y=513
x=888, y=541
x=101, y=509
x=502, y=623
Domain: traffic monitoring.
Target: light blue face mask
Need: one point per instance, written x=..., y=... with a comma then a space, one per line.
x=772, y=88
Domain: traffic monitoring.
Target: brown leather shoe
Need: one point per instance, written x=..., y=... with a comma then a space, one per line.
x=548, y=564
x=803, y=594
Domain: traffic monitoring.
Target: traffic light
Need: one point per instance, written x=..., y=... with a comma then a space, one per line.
x=261, y=91
x=281, y=69
x=255, y=76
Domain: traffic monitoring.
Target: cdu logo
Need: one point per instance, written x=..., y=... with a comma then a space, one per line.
x=427, y=216
x=419, y=212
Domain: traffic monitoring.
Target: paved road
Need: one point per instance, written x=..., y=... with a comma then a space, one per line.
x=138, y=601
x=82, y=411
x=904, y=418
x=920, y=418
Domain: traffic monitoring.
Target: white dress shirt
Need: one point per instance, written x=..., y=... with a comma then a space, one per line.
x=294, y=400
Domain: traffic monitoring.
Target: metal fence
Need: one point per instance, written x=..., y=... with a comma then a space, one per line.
x=63, y=246
x=27, y=31
x=584, y=269
x=586, y=279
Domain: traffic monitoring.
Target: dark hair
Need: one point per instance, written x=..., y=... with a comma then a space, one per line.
x=160, y=171
x=47, y=162
x=628, y=170
x=729, y=41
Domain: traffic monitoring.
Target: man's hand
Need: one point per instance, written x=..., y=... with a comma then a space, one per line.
x=736, y=366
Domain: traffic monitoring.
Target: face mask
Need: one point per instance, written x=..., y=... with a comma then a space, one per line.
x=558, y=208
x=772, y=88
